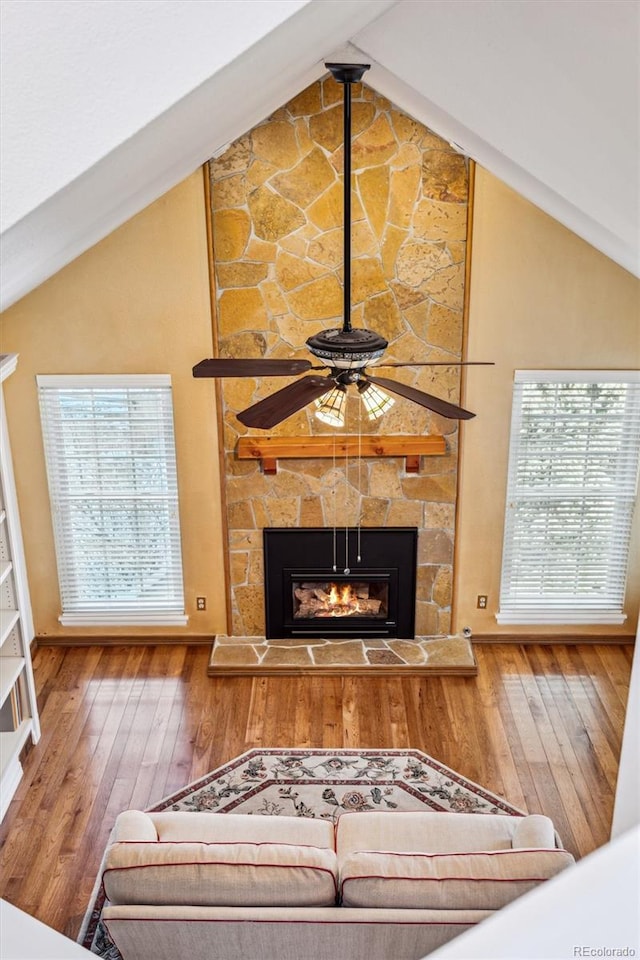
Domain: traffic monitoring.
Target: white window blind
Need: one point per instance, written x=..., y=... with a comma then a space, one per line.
x=571, y=492
x=111, y=466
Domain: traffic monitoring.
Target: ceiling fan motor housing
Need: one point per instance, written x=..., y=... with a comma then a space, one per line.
x=347, y=349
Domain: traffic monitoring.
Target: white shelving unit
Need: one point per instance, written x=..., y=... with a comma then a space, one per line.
x=18, y=706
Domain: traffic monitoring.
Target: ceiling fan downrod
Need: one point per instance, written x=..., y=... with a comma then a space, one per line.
x=347, y=74
x=346, y=348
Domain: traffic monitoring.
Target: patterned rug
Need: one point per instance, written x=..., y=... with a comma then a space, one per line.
x=315, y=783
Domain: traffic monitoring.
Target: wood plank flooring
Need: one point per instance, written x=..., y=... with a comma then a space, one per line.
x=125, y=726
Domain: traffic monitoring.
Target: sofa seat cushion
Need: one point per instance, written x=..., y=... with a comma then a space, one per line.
x=460, y=881
x=220, y=874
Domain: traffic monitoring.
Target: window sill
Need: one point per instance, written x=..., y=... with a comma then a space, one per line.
x=561, y=617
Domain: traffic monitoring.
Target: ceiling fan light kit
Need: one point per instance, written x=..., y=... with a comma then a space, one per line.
x=345, y=352
x=330, y=408
x=376, y=402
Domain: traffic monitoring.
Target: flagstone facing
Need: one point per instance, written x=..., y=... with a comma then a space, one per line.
x=277, y=237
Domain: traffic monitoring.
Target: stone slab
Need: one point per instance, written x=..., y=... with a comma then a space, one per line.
x=256, y=656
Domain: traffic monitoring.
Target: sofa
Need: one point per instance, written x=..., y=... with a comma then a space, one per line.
x=374, y=885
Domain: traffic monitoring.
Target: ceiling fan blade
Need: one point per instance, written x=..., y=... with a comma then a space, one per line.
x=442, y=407
x=282, y=404
x=228, y=367
x=440, y=363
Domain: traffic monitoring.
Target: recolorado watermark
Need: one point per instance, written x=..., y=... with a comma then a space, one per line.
x=604, y=952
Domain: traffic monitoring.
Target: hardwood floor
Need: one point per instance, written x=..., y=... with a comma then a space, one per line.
x=125, y=726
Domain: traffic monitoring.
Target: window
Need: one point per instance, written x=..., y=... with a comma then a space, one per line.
x=573, y=469
x=111, y=466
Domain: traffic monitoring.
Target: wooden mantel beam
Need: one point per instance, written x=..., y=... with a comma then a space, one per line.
x=271, y=449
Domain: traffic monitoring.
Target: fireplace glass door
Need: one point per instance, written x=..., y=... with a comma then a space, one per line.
x=337, y=604
x=321, y=599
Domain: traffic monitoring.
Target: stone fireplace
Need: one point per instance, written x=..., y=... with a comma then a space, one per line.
x=276, y=212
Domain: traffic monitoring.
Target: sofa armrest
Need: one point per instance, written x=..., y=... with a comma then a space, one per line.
x=132, y=826
x=534, y=831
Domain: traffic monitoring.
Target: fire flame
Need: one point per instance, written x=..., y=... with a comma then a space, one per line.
x=341, y=597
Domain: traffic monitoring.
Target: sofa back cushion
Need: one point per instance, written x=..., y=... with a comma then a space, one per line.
x=205, y=827
x=208, y=827
x=220, y=874
x=459, y=881
x=424, y=832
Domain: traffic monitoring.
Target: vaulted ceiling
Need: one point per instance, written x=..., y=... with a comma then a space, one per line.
x=106, y=106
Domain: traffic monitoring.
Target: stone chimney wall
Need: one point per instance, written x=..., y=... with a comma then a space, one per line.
x=277, y=218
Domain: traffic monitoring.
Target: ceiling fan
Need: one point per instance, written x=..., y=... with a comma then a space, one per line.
x=345, y=352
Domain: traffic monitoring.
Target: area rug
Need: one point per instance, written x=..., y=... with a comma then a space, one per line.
x=315, y=783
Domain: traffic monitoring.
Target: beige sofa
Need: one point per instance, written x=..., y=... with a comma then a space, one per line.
x=200, y=886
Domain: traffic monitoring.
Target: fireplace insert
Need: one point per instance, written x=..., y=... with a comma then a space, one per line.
x=347, y=583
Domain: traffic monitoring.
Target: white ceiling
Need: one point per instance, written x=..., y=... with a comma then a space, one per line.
x=107, y=104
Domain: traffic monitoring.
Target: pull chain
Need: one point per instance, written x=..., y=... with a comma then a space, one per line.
x=359, y=480
x=346, y=498
x=335, y=509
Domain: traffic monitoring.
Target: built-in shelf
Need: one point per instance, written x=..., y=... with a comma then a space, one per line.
x=271, y=449
x=11, y=743
x=10, y=670
x=8, y=620
x=5, y=569
x=18, y=702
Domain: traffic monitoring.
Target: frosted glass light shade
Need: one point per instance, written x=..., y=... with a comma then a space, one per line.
x=376, y=401
x=330, y=406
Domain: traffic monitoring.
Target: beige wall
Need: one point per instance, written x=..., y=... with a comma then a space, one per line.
x=138, y=302
x=539, y=298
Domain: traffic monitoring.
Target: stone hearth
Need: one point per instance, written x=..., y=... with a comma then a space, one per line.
x=437, y=656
